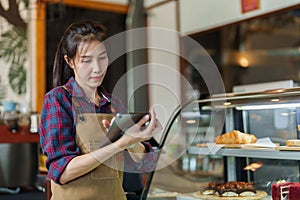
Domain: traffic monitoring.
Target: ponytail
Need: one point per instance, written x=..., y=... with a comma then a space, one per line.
x=61, y=71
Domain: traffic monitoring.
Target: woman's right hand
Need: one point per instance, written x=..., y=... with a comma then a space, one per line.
x=140, y=132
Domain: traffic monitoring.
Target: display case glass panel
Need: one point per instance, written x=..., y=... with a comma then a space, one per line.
x=271, y=115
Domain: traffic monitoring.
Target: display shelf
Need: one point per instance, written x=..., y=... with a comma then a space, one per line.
x=249, y=153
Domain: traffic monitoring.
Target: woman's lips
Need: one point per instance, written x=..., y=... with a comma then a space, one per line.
x=96, y=78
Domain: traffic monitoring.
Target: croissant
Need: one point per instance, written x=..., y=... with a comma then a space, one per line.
x=235, y=137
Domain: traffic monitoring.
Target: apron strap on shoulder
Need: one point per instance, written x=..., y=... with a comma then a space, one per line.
x=76, y=106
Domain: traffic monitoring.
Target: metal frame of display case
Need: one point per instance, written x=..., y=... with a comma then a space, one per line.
x=249, y=153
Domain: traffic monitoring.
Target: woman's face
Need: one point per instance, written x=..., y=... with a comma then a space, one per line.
x=90, y=64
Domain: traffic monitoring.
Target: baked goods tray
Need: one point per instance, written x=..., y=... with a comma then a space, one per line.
x=259, y=195
x=239, y=146
x=250, y=153
x=223, y=145
x=288, y=148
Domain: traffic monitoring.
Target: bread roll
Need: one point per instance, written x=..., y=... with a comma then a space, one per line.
x=235, y=137
x=293, y=143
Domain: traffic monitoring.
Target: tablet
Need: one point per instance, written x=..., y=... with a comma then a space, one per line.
x=120, y=124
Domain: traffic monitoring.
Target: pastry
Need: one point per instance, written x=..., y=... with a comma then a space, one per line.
x=280, y=190
x=230, y=189
x=286, y=190
x=246, y=189
x=211, y=188
x=293, y=143
x=294, y=191
x=235, y=137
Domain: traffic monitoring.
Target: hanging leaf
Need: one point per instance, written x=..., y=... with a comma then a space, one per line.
x=17, y=78
x=13, y=50
x=13, y=46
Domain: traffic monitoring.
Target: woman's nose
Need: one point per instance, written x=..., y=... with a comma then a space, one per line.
x=96, y=66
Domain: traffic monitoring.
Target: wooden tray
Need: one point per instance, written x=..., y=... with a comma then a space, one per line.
x=259, y=195
x=286, y=148
x=223, y=145
x=241, y=146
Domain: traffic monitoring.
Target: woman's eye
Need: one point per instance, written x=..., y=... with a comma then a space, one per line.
x=102, y=57
x=85, y=61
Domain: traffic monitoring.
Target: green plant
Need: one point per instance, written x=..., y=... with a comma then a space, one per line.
x=13, y=50
x=2, y=90
x=13, y=45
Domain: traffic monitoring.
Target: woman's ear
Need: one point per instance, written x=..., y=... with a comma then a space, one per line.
x=69, y=61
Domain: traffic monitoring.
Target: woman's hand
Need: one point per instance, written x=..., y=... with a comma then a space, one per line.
x=107, y=123
x=140, y=131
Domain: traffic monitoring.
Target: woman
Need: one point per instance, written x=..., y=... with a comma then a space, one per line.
x=69, y=126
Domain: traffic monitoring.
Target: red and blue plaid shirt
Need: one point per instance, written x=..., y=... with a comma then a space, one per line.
x=57, y=127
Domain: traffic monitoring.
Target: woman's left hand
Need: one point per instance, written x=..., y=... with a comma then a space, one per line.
x=107, y=123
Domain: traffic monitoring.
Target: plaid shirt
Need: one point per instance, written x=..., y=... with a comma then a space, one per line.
x=57, y=127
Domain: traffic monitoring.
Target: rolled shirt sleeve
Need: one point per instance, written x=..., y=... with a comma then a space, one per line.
x=57, y=132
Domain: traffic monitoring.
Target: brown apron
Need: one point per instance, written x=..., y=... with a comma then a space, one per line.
x=105, y=181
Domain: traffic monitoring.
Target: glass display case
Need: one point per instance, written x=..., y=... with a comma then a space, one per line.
x=189, y=158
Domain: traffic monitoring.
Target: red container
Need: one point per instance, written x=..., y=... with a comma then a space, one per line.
x=286, y=191
x=294, y=192
x=280, y=191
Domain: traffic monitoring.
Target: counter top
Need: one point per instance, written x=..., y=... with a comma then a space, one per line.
x=23, y=135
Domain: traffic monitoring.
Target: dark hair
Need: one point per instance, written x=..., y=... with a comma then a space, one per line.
x=75, y=34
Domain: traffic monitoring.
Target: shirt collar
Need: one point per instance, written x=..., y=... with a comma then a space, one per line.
x=74, y=88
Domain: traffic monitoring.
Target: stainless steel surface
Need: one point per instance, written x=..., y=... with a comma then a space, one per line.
x=250, y=153
x=231, y=166
x=18, y=164
x=280, y=92
x=229, y=125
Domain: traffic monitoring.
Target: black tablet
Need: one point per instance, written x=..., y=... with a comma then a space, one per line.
x=120, y=124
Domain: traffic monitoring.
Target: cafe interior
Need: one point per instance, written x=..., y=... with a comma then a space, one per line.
x=197, y=63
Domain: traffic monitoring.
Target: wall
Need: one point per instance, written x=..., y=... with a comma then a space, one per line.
x=163, y=68
x=191, y=16
x=197, y=16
